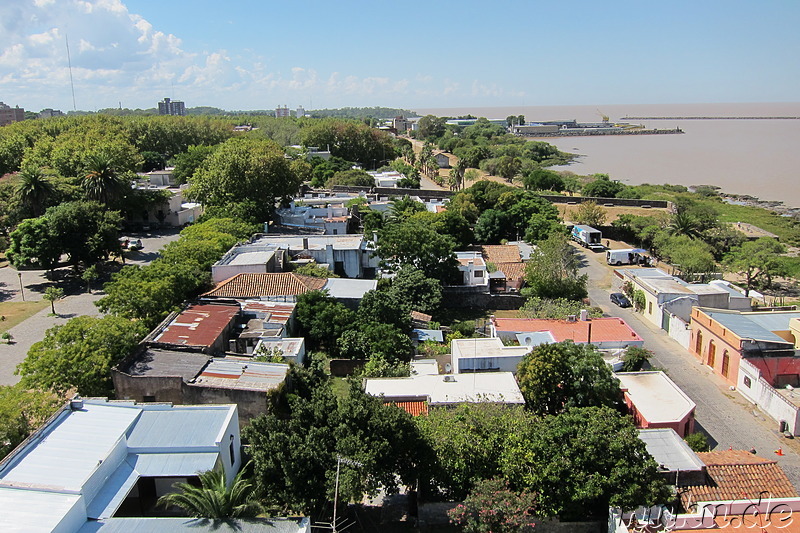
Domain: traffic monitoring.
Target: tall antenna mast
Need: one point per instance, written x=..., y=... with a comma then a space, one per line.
x=71, y=84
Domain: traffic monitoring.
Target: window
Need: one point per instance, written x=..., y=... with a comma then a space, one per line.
x=478, y=273
x=148, y=398
x=233, y=452
x=747, y=382
x=725, y=363
x=698, y=346
x=650, y=307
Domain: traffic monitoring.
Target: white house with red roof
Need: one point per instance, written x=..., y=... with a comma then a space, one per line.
x=610, y=333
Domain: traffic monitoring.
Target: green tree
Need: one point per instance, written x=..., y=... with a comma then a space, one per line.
x=590, y=214
x=407, y=243
x=403, y=208
x=430, y=126
x=321, y=319
x=385, y=307
x=242, y=170
x=555, y=377
x=22, y=411
x=757, y=262
x=295, y=452
x=33, y=245
x=493, y=225
x=102, y=181
x=33, y=190
x=79, y=354
x=583, y=461
x=698, y=442
x=492, y=507
x=86, y=231
x=602, y=187
x=352, y=177
x=214, y=498
x=351, y=140
x=468, y=442
x=543, y=180
x=187, y=163
x=552, y=271
x=89, y=275
x=375, y=340
x=415, y=291
x=540, y=227
x=635, y=358
x=51, y=294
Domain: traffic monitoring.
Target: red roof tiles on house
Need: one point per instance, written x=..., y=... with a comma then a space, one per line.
x=413, y=408
x=513, y=271
x=501, y=253
x=257, y=285
x=603, y=329
x=736, y=475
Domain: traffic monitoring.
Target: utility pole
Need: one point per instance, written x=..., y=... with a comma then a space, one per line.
x=334, y=526
x=21, y=288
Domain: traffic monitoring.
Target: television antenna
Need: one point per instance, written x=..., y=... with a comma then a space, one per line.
x=337, y=525
x=69, y=65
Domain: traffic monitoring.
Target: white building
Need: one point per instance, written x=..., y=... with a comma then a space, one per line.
x=473, y=269
x=448, y=389
x=485, y=355
x=96, y=458
x=331, y=217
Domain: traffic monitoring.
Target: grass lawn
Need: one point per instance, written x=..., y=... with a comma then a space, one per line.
x=341, y=388
x=16, y=312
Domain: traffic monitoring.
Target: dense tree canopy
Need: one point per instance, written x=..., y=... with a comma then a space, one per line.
x=552, y=271
x=422, y=247
x=583, y=461
x=555, y=377
x=351, y=140
x=243, y=170
x=22, y=411
x=757, y=262
x=295, y=453
x=79, y=354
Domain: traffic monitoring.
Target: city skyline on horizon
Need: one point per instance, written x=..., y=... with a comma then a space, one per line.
x=134, y=53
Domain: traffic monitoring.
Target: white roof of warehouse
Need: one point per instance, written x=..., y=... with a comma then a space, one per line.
x=477, y=387
x=655, y=396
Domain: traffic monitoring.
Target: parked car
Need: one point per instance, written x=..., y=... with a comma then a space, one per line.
x=620, y=299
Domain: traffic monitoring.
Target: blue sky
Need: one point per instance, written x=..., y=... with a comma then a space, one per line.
x=259, y=54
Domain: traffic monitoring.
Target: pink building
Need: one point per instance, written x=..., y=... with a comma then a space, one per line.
x=655, y=402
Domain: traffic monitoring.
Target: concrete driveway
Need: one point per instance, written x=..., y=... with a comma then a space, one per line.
x=724, y=415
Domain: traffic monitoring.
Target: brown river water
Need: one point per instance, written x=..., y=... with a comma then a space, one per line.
x=760, y=157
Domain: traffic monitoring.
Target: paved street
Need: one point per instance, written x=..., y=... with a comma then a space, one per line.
x=723, y=414
x=78, y=301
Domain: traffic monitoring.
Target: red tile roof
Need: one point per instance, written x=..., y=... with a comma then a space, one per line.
x=257, y=285
x=501, y=253
x=198, y=325
x=413, y=408
x=513, y=271
x=603, y=329
x=736, y=475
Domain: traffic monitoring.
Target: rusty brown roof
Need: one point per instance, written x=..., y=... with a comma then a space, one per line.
x=513, y=271
x=501, y=253
x=257, y=285
x=735, y=475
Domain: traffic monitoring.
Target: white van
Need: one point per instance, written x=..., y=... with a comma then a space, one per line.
x=627, y=256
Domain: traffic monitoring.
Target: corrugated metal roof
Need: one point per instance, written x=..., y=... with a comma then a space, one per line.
x=668, y=449
x=198, y=325
x=72, y=448
x=18, y=506
x=171, y=464
x=231, y=373
x=179, y=427
x=749, y=326
x=349, y=288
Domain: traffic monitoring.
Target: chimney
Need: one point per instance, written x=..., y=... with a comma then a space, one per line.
x=76, y=403
x=305, y=243
x=584, y=315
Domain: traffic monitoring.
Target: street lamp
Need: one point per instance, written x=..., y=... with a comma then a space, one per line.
x=21, y=288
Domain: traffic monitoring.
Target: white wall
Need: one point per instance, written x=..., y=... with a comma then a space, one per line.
x=766, y=397
x=679, y=330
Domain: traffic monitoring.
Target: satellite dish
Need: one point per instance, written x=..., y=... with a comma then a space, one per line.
x=448, y=367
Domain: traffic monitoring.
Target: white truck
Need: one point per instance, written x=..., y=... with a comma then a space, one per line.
x=627, y=256
x=588, y=237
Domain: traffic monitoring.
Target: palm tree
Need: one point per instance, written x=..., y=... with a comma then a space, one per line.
x=683, y=223
x=33, y=189
x=102, y=183
x=214, y=499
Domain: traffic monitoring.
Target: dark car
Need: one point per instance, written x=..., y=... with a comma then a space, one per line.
x=620, y=299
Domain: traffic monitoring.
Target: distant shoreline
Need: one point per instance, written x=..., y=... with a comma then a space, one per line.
x=710, y=118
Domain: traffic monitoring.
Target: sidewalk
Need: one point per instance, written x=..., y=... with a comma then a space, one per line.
x=32, y=330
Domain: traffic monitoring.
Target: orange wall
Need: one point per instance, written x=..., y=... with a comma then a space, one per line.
x=723, y=340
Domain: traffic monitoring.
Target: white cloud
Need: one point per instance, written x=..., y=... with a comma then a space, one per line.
x=118, y=56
